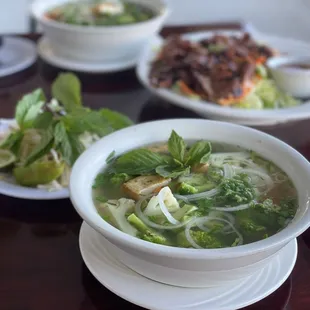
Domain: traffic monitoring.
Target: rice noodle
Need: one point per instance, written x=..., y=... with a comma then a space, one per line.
x=228, y=171
x=234, y=158
x=227, y=229
x=268, y=182
x=279, y=177
x=202, y=220
x=198, y=196
x=164, y=208
x=232, y=209
x=148, y=222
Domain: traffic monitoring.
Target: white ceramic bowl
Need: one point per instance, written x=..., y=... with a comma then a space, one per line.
x=99, y=43
x=295, y=81
x=190, y=267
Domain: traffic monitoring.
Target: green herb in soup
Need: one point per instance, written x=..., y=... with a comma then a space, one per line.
x=100, y=13
x=195, y=195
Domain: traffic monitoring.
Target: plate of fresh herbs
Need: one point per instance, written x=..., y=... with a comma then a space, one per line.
x=40, y=145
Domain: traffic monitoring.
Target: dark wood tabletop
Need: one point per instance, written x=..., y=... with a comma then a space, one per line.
x=40, y=264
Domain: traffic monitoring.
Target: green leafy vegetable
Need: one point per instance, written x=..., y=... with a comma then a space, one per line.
x=236, y=191
x=68, y=144
x=145, y=232
x=81, y=120
x=32, y=114
x=203, y=239
x=67, y=90
x=101, y=198
x=199, y=181
x=42, y=148
x=43, y=120
x=114, y=179
x=167, y=171
x=115, y=119
x=204, y=206
x=187, y=189
x=12, y=141
x=199, y=153
x=110, y=158
x=176, y=146
x=140, y=161
x=28, y=108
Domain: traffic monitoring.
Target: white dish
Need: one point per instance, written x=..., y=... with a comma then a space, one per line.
x=47, y=53
x=214, y=111
x=191, y=267
x=149, y=294
x=16, y=54
x=295, y=81
x=99, y=43
x=8, y=186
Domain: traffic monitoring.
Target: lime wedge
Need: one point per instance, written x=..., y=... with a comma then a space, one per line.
x=37, y=173
x=6, y=158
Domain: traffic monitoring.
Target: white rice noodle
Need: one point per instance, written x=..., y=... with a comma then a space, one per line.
x=200, y=221
x=228, y=171
x=264, y=180
x=232, y=209
x=279, y=177
x=198, y=196
x=234, y=158
x=227, y=229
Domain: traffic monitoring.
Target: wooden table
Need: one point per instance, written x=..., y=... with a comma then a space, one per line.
x=40, y=263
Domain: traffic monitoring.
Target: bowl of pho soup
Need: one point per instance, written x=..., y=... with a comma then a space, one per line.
x=193, y=203
x=99, y=30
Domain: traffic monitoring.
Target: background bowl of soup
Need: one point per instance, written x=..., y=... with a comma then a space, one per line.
x=85, y=31
x=192, y=267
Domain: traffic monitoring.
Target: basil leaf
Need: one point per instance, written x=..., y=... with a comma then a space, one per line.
x=111, y=179
x=199, y=153
x=140, y=161
x=167, y=171
x=43, y=120
x=176, y=146
x=101, y=198
x=68, y=144
x=82, y=120
x=42, y=148
x=28, y=107
x=116, y=120
x=110, y=158
x=67, y=89
x=32, y=114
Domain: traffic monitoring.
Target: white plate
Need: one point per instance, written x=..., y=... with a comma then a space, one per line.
x=16, y=54
x=153, y=295
x=8, y=186
x=214, y=111
x=46, y=52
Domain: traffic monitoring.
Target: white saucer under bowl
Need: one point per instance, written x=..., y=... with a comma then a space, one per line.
x=16, y=54
x=153, y=295
x=46, y=52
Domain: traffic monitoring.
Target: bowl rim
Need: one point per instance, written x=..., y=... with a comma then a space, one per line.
x=164, y=11
x=279, y=239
